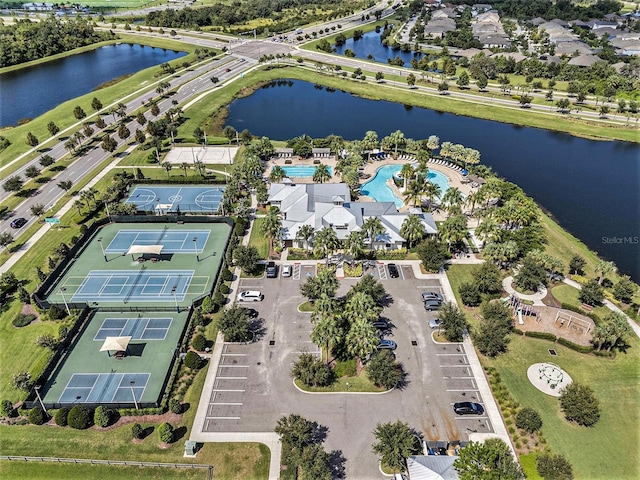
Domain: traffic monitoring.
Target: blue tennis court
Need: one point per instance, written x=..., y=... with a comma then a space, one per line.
x=104, y=387
x=172, y=241
x=165, y=199
x=139, y=328
x=131, y=285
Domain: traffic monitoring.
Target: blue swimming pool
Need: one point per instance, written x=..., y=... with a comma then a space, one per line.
x=301, y=171
x=377, y=188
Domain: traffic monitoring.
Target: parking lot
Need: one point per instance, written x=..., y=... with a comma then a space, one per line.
x=253, y=386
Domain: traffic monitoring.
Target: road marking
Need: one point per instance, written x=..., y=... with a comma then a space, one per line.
x=234, y=366
x=467, y=417
x=230, y=378
x=450, y=354
x=455, y=378
x=235, y=354
x=455, y=366
x=226, y=403
x=462, y=390
x=223, y=418
x=226, y=390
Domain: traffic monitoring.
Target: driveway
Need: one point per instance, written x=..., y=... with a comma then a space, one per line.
x=253, y=387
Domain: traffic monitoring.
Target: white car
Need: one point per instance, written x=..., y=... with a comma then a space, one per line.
x=286, y=270
x=250, y=296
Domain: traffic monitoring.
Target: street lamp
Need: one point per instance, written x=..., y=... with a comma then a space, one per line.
x=106, y=207
x=104, y=254
x=37, y=390
x=175, y=298
x=195, y=246
x=133, y=393
x=66, y=305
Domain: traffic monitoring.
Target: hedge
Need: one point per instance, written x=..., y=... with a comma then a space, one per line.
x=575, y=346
x=165, y=432
x=60, y=416
x=23, y=320
x=517, y=331
x=543, y=335
x=36, y=416
x=79, y=417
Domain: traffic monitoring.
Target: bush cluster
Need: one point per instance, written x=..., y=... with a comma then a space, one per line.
x=79, y=417
x=102, y=416
x=137, y=431
x=192, y=360
x=36, y=416
x=175, y=406
x=6, y=409
x=529, y=420
x=165, y=432
x=60, y=417
x=199, y=343
x=22, y=320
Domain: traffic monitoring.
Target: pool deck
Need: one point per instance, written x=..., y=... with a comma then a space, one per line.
x=453, y=177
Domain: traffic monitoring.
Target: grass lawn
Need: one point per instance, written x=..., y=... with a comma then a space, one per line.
x=607, y=450
x=528, y=463
x=230, y=460
x=356, y=384
x=457, y=275
x=258, y=239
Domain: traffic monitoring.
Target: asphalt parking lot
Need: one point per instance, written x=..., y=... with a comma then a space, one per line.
x=253, y=386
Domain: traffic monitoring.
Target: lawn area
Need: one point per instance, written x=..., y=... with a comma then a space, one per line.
x=230, y=460
x=457, y=275
x=258, y=239
x=360, y=383
x=607, y=450
x=569, y=294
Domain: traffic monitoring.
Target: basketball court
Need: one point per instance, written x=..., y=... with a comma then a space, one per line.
x=164, y=199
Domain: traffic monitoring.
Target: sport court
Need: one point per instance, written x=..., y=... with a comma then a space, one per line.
x=165, y=199
x=87, y=375
x=104, y=274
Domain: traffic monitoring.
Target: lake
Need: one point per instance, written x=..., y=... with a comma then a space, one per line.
x=590, y=187
x=30, y=92
x=370, y=44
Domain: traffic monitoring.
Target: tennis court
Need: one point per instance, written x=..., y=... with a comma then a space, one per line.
x=172, y=241
x=138, y=328
x=163, y=199
x=104, y=388
x=134, y=285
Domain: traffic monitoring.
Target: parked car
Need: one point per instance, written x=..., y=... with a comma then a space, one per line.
x=387, y=344
x=435, y=323
x=250, y=296
x=431, y=296
x=381, y=324
x=393, y=270
x=468, y=408
x=18, y=222
x=431, y=305
x=286, y=270
x=253, y=313
x=272, y=270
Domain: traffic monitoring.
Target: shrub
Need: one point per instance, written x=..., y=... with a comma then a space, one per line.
x=543, y=335
x=624, y=290
x=575, y=346
x=554, y=467
x=36, y=416
x=137, y=431
x=175, y=406
x=6, y=409
x=470, y=295
x=22, y=381
x=199, y=343
x=591, y=293
x=56, y=313
x=192, y=360
x=223, y=288
x=165, y=432
x=529, y=420
x=60, y=416
x=384, y=371
x=47, y=341
x=579, y=405
x=312, y=371
x=79, y=417
x=102, y=416
x=206, y=306
x=226, y=275
x=23, y=320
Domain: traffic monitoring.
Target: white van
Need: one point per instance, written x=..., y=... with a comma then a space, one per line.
x=250, y=296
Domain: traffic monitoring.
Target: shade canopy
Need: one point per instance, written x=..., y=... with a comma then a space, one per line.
x=155, y=249
x=119, y=344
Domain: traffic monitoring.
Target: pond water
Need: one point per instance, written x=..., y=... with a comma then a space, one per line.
x=370, y=44
x=590, y=187
x=30, y=92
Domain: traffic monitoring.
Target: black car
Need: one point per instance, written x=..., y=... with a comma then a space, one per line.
x=272, y=270
x=18, y=222
x=393, y=270
x=381, y=324
x=468, y=408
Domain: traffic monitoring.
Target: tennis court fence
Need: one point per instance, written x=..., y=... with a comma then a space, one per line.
x=127, y=463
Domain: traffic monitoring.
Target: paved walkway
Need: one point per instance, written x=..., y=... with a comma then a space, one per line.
x=536, y=298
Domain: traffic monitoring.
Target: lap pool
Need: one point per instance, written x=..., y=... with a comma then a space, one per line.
x=301, y=171
x=377, y=188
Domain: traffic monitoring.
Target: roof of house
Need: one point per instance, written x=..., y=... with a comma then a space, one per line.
x=517, y=56
x=584, y=60
x=432, y=467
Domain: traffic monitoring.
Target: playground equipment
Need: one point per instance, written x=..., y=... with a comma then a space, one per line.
x=564, y=318
x=520, y=308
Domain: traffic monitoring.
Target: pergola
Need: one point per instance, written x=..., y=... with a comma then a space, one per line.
x=154, y=249
x=117, y=344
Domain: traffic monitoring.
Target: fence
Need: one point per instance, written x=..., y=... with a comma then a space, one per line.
x=127, y=463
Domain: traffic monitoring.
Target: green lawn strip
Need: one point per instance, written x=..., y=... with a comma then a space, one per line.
x=569, y=294
x=528, y=463
x=360, y=384
x=61, y=115
x=617, y=386
x=258, y=239
x=306, y=307
x=457, y=275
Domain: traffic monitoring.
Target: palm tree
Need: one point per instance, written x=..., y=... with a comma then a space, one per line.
x=452, y=196
x=604, y=268
x=446, y=149
x=321, y=174
x=323, y=306
x=370, y=142
x=396, y=138
x=354, y=243
x=277, y=174
x=327, y=242
x=79, y=204
x=407, y=172
x=431, y=191
x=433, y=142
x=373, y=227
x=412, y=229
x=472, y=200
x=453, y=230
x=413, y=192
x=167, y=167
x=362, y=340
x=272, y=225
x=487, y=230
x=327, y=333
x=471, y=156
x=362, y=307
x=305, y=233
x=185, y=166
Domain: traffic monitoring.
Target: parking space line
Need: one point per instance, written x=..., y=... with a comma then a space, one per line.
x=231, y=378
x=449, y=354
x=234, y=366
x=226, y=403
x=223, y=418
x=474, y=417
x=462, y=390
x=456, y=378
x=454, y=366
x=227, y=390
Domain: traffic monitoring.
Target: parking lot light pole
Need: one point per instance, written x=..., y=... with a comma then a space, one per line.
x=104, y=254
x=195, y=247
x=66, y=305
x=37, y=390
x=133, y=393
x=175, y=298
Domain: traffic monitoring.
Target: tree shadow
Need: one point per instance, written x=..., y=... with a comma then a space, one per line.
x=179, y=433
x=42, y=180
x=403, y=383
x=257, y=326
x=57, y=168
x=319, y=433
x=337, y=464
x=147, y=431
x=26, y=192
x=185, y=407
x=387, y=300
